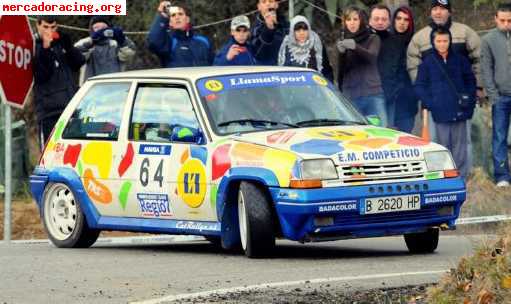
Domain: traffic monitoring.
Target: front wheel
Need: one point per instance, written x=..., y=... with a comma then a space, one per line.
x=255, y=221
x=64, y=220
x=423, y=242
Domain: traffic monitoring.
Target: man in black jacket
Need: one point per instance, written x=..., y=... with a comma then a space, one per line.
x=268, y=32
x=55, y=61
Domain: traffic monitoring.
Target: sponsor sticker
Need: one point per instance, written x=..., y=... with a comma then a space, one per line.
x=397, y=154
x=154, y=205
x=154, y=150
x=337, y=207
x=200, y=226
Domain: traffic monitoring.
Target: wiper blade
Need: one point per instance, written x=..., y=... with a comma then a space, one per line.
x=256, y=121
x=326, y=122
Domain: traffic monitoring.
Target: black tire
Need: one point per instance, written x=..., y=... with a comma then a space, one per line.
x=423, y=242
x=64, y=220
x=255, y=221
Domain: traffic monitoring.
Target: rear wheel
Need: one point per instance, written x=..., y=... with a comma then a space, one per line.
x=423, y=242
x=255, y=221
x=64, y=220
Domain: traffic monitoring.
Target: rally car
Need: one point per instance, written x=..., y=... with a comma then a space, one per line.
x=241, y=156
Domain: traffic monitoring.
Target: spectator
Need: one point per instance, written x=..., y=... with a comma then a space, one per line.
x=303, y=48
x=55, y=60
x=495, y=67
x=358, y=70
x=465, y=40
x=174, y=41
x=107, y=49
x=447, y=87
x=237, y=51
x=379, y=21
x=268, y=32
x=399, y=96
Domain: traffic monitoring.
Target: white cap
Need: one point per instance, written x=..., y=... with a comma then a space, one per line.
x=240, y=21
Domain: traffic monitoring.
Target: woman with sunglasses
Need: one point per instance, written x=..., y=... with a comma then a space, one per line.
x=303, y=48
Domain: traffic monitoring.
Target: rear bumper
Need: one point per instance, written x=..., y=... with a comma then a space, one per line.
x=336, y=213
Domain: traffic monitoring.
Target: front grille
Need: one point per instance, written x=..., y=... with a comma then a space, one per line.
x=381, y=172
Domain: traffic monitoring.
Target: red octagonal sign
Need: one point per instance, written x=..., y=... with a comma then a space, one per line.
x=16, y=51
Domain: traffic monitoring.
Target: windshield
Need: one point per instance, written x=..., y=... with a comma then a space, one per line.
x=267, y=101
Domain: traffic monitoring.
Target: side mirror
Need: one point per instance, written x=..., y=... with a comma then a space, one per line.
x=187, y=135
x=374, y=120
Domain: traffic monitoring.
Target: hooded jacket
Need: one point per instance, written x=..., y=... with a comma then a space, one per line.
x=496, y=63
x=439, y=94
x=311, y=55
x=104, y=56
x=177, y=48
x=245, y=58
x=396, y=82
x=266, y=42
x=464, y=41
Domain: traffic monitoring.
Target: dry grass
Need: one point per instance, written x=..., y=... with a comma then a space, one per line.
x=483, y=278
x=484, y=198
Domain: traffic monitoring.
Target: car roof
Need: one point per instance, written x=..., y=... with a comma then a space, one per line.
x=195, y=73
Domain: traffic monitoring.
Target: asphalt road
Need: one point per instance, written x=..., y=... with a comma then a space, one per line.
x=159, y=273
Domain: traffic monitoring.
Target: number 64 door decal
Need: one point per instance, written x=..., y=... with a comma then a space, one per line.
x=145, y=169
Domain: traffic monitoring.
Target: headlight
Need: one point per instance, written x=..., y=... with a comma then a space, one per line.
x=319, y=169
x=439, y=161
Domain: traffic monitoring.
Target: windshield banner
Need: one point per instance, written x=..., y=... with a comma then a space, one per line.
x=219, y=84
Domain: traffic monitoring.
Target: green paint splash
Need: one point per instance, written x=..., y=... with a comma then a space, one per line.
x=123, y=195
x=213, y=194
x=79, y=167
x=58, y=131
x=380, y=132
x=433, y=175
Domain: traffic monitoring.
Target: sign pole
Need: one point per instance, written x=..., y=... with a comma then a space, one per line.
x=8, y=173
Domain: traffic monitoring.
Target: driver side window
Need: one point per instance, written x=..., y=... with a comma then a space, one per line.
x=158, y=110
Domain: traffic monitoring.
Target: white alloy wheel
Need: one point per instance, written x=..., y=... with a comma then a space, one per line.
x=242, y=217
x=60, y=211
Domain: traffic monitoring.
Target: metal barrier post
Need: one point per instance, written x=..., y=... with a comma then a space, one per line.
x=8, y=175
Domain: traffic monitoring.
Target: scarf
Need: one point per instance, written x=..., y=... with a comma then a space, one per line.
x=360, y=36
x=435, y=26
x=300, y=53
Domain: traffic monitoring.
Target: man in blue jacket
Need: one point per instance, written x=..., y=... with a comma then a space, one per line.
x=237, y=51
x=268, y=32
x=446, y=86
x=173, y=40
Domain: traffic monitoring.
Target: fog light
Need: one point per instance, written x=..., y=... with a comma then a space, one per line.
x=323, y=221
x=448, y=210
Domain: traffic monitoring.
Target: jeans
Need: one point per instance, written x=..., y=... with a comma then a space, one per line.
x=372, y=105
x=500, y=116
x=405, y=124
x=390, y=108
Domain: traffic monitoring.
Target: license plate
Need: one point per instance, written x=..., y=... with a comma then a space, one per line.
x=391, y=204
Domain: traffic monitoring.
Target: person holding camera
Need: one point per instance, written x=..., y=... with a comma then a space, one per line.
x=174, y=41
x=237, y=51
x=268, y=32
x=107, y=49
x=54, y=62
x=446, y=85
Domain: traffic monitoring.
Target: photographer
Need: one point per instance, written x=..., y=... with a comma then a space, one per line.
x=173, y=40
x=54, y=62
x=107, y=49
x=269, y=32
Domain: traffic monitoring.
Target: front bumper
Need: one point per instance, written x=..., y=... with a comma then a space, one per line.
x=336, y=213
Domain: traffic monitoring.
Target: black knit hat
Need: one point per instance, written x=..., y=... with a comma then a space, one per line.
x=443, y=3
x=97, y=19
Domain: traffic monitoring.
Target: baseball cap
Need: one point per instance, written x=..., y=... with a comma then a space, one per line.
x=240, y=21
x=443, y=3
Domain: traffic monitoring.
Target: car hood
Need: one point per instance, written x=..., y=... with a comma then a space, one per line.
x=345, y=144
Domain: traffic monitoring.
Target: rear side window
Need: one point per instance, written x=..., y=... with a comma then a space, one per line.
x=99, y=113
x=158, y=109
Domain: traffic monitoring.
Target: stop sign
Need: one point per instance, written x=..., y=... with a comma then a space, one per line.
x=16, y=51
